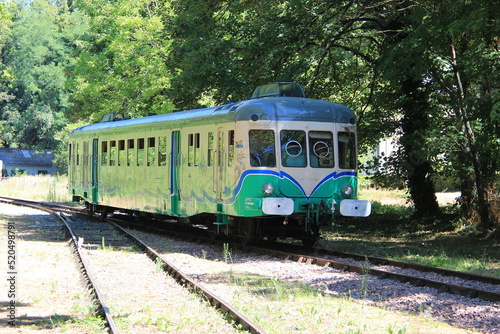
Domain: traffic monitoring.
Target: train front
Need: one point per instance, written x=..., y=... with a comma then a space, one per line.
x=302, y=165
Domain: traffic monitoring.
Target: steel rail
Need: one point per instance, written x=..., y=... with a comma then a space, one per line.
x=183, y=279
x=441, y=286
x=310, y=259
x=95, y=292
x=409, y=265
x=96, y=295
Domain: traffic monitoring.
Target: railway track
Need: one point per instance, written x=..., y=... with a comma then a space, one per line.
x=83, y=232
x=361, y=264
x=327, y=258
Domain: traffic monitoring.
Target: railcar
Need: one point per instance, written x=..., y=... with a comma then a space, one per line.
x=276, y=165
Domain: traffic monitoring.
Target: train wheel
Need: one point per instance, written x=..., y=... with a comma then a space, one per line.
x=309, y=241
x=246, y=230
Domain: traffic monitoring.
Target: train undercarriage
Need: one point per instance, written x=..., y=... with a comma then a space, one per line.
x=302, y=227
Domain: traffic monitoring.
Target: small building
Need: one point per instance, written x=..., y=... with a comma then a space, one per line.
x=30, y=161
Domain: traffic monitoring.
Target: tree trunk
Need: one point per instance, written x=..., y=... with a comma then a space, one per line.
x=418, y=168
x=470, y=140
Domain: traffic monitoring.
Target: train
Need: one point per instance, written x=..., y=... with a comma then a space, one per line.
x=275, y=165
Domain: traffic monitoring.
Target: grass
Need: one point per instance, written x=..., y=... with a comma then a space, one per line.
x=282, y=307
x=50, y=188
x=392, y=232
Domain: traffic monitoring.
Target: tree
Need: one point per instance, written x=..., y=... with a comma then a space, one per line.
x=121, y=62
x=37, y=62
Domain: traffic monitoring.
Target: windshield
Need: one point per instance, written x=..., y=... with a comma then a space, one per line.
x=262, y=148
x=293, y=148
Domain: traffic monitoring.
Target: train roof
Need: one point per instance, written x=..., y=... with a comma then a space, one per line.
x=262, y=108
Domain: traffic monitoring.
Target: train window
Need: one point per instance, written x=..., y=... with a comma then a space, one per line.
x=197, y=151
x=112, y=150
x=162, y=151
x=130, y=152
x=190, y=149
x=230, y=158
x=121, y=153
x=70, y=153
x=262, y=148
x=293, y=148
x=211, y=151
x=78, y=154
x=151, y=151
x=104, y=153
x=347, y=150
x=321, y=149
x=140, y=152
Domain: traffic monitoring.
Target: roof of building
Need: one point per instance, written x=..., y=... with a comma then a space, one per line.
x=17, y=156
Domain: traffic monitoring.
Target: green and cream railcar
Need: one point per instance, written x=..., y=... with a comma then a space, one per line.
x=276, y=165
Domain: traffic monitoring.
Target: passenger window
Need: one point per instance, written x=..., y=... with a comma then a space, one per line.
x=321, y=149
x=197, y=152
x=112, y=158
x=293, y=148
x=162, y=151
x=121, y=153
x=140, y=152
x=78, y=154
x=190, y=149
x=262, y=148
x=211, y=152
x=347, y=150
x=151, y=151
x=104, y=153
x=130, y=152
x=230, y=161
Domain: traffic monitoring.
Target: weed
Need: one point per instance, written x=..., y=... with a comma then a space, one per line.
x=227, y=253
x=159, y=264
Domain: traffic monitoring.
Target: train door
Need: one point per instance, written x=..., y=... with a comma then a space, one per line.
x=219, y=164
x=94, y=176
x=174, y=172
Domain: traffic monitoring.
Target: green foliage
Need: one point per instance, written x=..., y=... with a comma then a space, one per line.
x=120, y=66
x=36, y=63
x=423, y=73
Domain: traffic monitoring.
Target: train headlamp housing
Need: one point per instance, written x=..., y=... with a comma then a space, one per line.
x=268, y=189
x=347, y=191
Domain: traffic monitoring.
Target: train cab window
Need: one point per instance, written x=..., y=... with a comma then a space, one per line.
x=104, y=153
x=293, y=148
x=347, y=150
x=211, y=151
x=162, y=151
x=321, y=149
x=121, y=153
x=140, y=152
x=230, y=158
x=130, y=152
x=112, y=151
x=151, y=151
x=262, y=148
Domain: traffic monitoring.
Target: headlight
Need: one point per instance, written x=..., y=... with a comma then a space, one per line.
x=347, y=191
x=268, y=189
